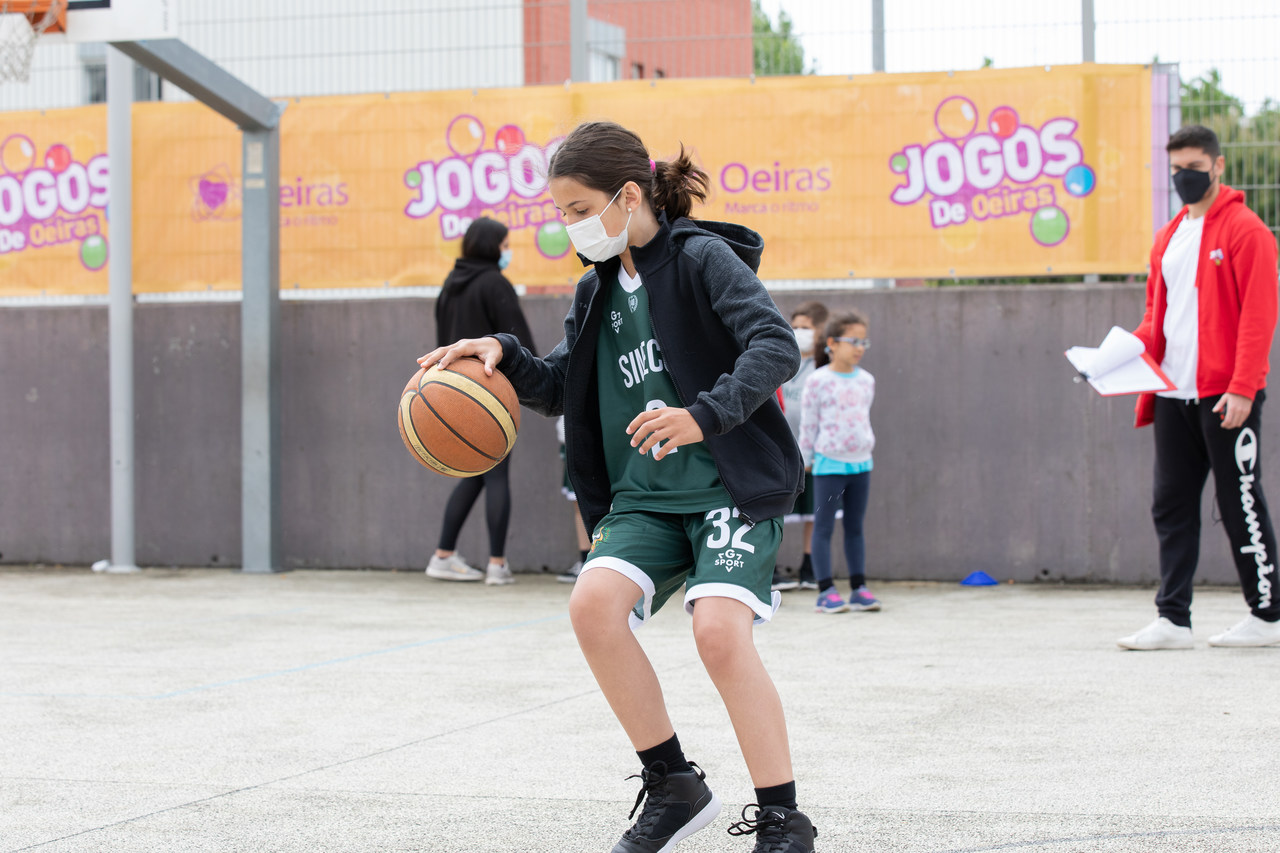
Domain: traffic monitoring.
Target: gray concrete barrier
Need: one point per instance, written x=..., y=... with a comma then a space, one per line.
x=988, y=456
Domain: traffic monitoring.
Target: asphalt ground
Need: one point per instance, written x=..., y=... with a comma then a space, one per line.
x=208, y=710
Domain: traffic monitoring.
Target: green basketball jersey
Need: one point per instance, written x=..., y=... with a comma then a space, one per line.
x=632, y=378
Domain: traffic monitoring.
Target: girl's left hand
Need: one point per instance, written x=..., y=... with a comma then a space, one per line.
x=669, y=425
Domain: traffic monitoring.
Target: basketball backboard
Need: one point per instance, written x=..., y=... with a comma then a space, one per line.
x=118, y=20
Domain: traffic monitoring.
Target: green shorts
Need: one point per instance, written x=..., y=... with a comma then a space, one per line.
x=710, y=554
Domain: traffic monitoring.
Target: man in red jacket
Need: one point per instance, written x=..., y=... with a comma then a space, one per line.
x=1211, y=313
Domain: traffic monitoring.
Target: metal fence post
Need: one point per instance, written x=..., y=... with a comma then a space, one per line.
x=579, y=70
x=877, y=35
x=1087, y=28
x=877, y=65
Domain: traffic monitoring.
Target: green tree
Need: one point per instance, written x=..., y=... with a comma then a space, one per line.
x=1250, y=143
x=777, y=50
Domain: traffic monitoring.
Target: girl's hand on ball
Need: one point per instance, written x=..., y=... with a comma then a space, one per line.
x=486, y=349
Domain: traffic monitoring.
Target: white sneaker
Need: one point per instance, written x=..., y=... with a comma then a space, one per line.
x=1160, y=634
x=1251, y=633
x=571, y=574
x=498, y=574
x=452, y=568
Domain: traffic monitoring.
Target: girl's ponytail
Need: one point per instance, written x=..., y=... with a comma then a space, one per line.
x=604, y=156
x=675, y=185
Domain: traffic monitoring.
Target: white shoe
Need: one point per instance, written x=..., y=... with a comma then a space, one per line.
x=1160, y=634
x=571, y=574
x=1251, y=633
x=452, y=568
x=498, y=574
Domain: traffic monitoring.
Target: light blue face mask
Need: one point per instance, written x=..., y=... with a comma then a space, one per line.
x=504, y=260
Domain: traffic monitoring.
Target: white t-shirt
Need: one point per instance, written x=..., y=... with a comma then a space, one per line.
x=1182, y=313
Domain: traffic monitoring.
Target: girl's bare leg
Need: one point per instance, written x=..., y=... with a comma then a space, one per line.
x=598, y=608
x=722, y=630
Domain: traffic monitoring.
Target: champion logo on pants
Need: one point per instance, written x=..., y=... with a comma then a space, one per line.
x=1246, y=452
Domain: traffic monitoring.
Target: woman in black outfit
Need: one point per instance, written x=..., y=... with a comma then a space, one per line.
x=477, y=300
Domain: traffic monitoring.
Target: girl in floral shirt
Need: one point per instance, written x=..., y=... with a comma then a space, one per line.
x=836, y=440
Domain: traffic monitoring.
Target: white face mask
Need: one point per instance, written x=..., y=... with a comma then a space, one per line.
x=804, y=340
x=593, y=242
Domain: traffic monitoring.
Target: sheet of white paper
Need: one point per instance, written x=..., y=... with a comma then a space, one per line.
x=1130, y=378
x=1081, y=358
x=1118, y=348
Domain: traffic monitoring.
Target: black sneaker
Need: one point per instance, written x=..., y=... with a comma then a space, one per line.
x=807, y=580
x=678, y=805
x=778, y=829
x=782, y=583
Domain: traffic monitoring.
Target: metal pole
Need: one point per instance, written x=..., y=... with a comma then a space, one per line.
x=260, y=352
x=120, y=309
x=877, y=65
x=1087, y=27
x=579, y=70
x=877, y=35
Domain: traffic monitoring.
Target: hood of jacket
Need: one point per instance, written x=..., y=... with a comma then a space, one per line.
x=1226, y=196
x=467, y=270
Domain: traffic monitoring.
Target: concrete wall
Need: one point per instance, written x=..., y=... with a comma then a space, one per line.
x=988, y=456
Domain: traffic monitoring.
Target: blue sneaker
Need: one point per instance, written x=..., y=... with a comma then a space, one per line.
x=831, y=602
x=862, y=599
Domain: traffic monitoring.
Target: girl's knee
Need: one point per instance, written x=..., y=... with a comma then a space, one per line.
x=597, y=606
x=720, y=635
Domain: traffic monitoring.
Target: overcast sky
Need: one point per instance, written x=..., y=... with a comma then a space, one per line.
x=1241, y=38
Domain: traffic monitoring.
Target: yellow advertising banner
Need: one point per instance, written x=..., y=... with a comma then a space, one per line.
x=984, y=173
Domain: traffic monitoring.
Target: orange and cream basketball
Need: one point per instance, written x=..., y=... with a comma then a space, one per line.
x=457, y=420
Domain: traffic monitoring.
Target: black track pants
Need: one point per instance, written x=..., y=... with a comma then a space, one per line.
x=1190, y=443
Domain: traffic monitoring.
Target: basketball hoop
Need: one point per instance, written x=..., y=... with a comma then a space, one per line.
x=21, y=23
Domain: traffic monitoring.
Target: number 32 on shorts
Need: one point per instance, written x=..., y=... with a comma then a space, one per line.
x=720, y=536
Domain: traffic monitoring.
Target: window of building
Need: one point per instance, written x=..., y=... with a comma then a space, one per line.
x=147, y=86
x=637, y=71
x=606, y=51
x=602, y=67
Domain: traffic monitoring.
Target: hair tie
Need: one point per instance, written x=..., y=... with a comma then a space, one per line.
x=653, y=167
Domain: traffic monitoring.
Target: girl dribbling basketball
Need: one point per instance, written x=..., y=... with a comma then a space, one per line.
x=681, y=459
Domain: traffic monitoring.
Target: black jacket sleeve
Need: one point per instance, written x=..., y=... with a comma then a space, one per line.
x=503, y=307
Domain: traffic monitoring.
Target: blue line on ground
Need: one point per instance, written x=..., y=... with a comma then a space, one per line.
x=291, y=670
x=495, y=629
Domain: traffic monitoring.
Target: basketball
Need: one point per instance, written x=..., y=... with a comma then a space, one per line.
x=458, y=421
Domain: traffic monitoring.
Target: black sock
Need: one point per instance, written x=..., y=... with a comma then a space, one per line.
x=582, y=555
x=825, y=585
x=778, y=795
x=668, y=751
x=805, y=565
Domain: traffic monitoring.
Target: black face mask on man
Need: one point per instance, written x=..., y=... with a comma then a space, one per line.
x=1191, y=185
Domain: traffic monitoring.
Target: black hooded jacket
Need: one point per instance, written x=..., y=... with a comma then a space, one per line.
x=477, y=300
x=725, y=344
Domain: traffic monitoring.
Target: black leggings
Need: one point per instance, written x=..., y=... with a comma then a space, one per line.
x=497, y=508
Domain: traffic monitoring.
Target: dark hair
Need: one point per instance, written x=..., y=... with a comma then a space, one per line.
x=603, y=155
x=1195, y=136
x=840, y=322
x=483, y=240
x=814, y=310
